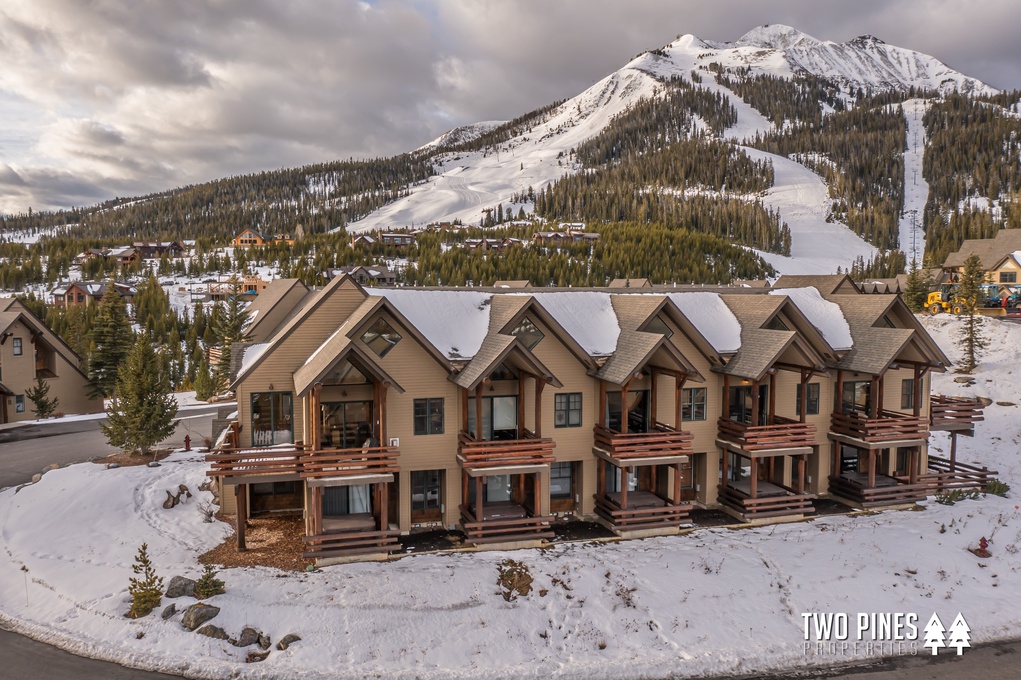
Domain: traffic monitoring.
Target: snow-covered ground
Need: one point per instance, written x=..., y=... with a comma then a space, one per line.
x=916, y=189
x=714, y=601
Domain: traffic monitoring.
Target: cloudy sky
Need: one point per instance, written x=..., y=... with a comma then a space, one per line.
x=105, y=98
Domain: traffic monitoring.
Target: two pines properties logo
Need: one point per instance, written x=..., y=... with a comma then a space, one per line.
x=881, y=633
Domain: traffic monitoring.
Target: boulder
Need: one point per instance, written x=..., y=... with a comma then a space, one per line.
x=249, y=636
x=264, y=642
x=36, y=477
x=287, y=641
x=214, y=632
x=169, y=611
x=255, y=657
x=180, y=586
x=197, y=614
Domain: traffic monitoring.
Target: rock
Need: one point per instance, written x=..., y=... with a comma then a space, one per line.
x=152, y=464
x=197, y=614
x=249, y=636
x=112, y=466
x=180, y=587
x=255, y=657
x=36, y=477
x=264, y=642
x=213, y=632
x=169, y=611
x=51, y=466
x=963, y=379
x=287, y=641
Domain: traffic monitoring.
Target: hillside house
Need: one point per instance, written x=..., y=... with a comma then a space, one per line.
x=249, y=238
x=30, y=350
x=366, y=275
x=997, y=255
x=380, y=411
x=78, y=293
x=399, y=241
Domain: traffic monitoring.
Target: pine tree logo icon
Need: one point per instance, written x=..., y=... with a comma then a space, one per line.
x=960, y=634
x=934, y=633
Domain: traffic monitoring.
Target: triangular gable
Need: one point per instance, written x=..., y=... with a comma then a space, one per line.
x=53, y=341
x=666, y=305
x=636, y=350
x=807, y=330
x=760, y=349
x=382, y=304
x=340, y=348
x=497, y=350
x=507, y=311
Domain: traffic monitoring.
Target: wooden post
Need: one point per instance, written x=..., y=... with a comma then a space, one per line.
x=677, y=484
x=678, y=401
x=623, y=487
x=384, y=506
x=317, y=510
x=913, y=459
x=801, y=473
x=834, y=459
x=624, y=406
x=464, y=412
x=916, y=388
x=726, y=397
x=753, y=480
x=601, y=417
x=882, y=396
x=381, y=432
x=874, y=397
x=464, y=490
x=953, y=451
x=539, y=385
x=772, y=398
x=600, y=478
x=755, y=404
x=725, y=459
x=315, y=417
x=521, y=406
x=872, y=468
x=838, y=395
x=536, y=497
x=479, y=509
x=803, y=400
x=478, y=413
x=653, y=398
x=240, y=498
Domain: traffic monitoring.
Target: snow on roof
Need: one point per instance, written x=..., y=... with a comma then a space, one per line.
x=252, y=355
x=713, y=319
x=823, y=314
x=587, y=316
x=454, y=321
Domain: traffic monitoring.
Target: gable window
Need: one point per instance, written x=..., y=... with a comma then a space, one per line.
x=1008, y=277
x=528, y=333
x=657, y=325
x=17, y=347
x=429, y=416
x=693, y=404
x=907, y=393
x=381, y=337
x=567, y=410
x=776, y=324
x=812, y=398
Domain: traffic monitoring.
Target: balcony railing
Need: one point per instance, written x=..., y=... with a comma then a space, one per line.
x=350, y=543
x=945, y=475
x=662, y=441
x=787, y=504
x=890, y=426
x=954, y=413
x=642, y=516
x=477, y=454
x=302, y=462
x=783, y=434
x=887, y=491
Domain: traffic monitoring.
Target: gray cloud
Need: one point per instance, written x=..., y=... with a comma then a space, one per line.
x=133, y=96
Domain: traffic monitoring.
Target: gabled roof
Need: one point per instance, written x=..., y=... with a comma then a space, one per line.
x=636, y=350
x=337, y=349
x=500, y=349
x=760, y=348
x=989, y=250
x=261, y=307
x=17, y=310
x=827, y=284
x=506, y=311
x=630, y=283
x=824, y=316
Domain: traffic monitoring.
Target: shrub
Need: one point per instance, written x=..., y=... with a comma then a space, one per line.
x=515, y=579
x=952, y=497
x=997, y=488
x=208, y=585
x=146, y=592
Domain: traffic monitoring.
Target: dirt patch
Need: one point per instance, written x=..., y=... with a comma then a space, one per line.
x=129, y=459
x=272, y=541
x=702, y=517
x=577, y=530
x=828, y=506
x=431, y=540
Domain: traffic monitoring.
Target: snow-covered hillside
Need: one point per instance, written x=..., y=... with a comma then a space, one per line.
x=468, y=184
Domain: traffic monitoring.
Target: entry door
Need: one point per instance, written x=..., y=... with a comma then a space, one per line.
x=741, y=404
x=347, y=500
x=499, y=418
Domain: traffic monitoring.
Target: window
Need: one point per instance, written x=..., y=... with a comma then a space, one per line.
x=567, y=410
x=19, y=403
x=857, y=396
x=657, y=325
x=426, y=495
x=812, y=399
x=560, y=480
x=776, y=324
x=272, y=418
x=355, y=499
x=693, y=404
x=499, y=418
x=429, y=416
x=907, y=393
x=275, y=489
x=381, y=337
x=528, y=333
x=1008, y=277
x=17, y=347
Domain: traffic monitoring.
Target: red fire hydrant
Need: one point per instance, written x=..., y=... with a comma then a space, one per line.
x=187, y=443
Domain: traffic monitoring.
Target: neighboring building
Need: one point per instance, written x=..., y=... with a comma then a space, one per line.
x=154, y=250
x=250, y=287
x=897, y=285
x=827, y=284
x=515, y=283
x=630, y=283
x=29, y=349
x=495, y=245
x=494, y=410
x=362, y=240
x=569, y=232
x=366, y=275
x=79, y=293
x=1005, y=272
x=249, y=238
x=399, y=241
x=996, y=255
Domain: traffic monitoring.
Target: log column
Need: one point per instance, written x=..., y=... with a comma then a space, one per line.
x=539, y=385
x=872, y=468
x=478, y=413
x=623, y=487
x=753, y=481
x=801, y=473
x=241, y=502
x=677, y=484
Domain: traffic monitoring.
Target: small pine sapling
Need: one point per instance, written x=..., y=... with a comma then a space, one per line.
x=147, y=591
x=208, y=585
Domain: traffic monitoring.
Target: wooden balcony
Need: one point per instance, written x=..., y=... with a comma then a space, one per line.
x=954, y=414
x=351, y=544
x=474, y=454
x=645, y=511
x=887, y=491
x=504, y=523
x=300, y=462
x=662, y=442
x=783, y=434
x=773, y=501
x=945, y=475
x=889, y=427
x=262, y=462
x=326, y=463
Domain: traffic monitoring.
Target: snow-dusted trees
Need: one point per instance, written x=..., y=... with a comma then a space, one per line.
x=969, y=292
x=142, y=413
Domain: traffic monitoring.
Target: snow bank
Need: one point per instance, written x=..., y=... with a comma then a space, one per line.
x=823, y=314
x=713, y=319
x=454, y=321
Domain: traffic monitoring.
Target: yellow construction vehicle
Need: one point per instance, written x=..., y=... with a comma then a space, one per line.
x=943, y=300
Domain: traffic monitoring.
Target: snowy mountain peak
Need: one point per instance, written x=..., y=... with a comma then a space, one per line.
x=776, y=37
x=865, y=41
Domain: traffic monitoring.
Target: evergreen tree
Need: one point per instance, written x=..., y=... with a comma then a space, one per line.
x=112, y=338
x=42, y=405
x=208, y=585
x=146, y=588
x=203, y=382
x=142, y=413
x=969, y=291
x=229, y=327
x=917, y=294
